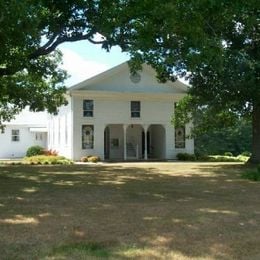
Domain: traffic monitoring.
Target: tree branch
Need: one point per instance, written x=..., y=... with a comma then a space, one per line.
x=59, y=40
x=49, y=47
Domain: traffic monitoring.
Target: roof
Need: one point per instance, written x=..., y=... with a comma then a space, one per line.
x=120, y=68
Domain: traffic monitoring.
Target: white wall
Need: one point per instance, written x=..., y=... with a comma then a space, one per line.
x=11, y=149
x=60, y=131
x=23, y=122
x=109, y=111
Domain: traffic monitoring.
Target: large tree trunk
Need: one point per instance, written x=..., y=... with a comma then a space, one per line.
x=255, y=158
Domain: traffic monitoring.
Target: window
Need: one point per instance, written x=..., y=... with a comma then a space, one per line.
x=180, y=137
x=15, y=135
x=87, y=136
x=88, y=107
x=135, y=108
x=38, y=137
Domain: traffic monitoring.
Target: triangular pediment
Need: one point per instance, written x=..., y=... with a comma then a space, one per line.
x=119, y=79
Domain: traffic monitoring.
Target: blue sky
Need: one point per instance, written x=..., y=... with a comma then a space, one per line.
x=83, y=60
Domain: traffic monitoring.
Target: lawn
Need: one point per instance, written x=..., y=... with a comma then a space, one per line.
x=122, y=211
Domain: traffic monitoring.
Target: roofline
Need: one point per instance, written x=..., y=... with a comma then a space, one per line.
x=116, y=69
x=103, y=74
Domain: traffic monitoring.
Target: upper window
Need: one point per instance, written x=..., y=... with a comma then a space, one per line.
x=88, y=107
x=180, y=137
x=15, y=135
x=135, y=108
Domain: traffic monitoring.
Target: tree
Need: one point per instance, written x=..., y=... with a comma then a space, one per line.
x=214, y=44
x=30, y=32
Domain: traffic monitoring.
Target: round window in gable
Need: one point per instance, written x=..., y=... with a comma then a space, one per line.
x=135, y=77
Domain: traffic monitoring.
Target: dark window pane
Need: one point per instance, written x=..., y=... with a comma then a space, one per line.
x=88, y=113
x=135, y=106
x=88, y=107
x=135, y=114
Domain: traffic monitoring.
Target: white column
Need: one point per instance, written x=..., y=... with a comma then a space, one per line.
x=145, y=141
x=125, y=151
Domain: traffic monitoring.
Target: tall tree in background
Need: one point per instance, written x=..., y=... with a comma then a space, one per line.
x=215, y=45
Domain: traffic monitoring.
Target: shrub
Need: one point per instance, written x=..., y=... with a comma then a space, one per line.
x=94, y=159
x=47, y=159
x=90, y=158
x=34, y=150
x=186, y=157
x=50, y=152
x=85, y=158
x=228, y=154
x=252, y=175
x=223, y=158
x=246, y=153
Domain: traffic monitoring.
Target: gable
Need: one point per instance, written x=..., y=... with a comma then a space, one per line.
x=118, y=80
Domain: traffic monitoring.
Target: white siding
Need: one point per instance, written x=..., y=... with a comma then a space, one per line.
x=60, y=131
x=11, y=149
x=115, y=111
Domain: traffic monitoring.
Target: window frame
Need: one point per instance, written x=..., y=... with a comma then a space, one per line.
x=87, y=141
x=15, y=137
x=180, y=144
x=88, y=112
x=135, y=113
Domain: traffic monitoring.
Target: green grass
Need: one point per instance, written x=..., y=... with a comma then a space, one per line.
x=80, y=250
x=129, y=211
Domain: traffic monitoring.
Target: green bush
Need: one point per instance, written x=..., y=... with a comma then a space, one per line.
x=186, y=157
x=223, y=158
x=34, y=150
x=252, y=175
x=246, y=153
x=44, y=159
x=228, y=154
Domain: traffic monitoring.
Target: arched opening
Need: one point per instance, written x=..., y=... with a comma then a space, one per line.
x=114, y=142
x=156, y=142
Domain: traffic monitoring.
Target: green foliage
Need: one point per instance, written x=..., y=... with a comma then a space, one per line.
x=186, y=157
x=34, y=150
x=44, y=159
x=223, y=158
x=246, y=153
x=236, y=138
x=228, y=154
x=252, y=175
x=30, y=32
x=214, y=45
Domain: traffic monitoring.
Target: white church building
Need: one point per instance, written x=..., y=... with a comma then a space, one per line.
x=115, y=115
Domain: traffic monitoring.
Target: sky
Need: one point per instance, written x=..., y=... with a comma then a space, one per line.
x=83, y=60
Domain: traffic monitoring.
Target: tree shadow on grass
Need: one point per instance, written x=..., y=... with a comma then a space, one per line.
x=172, y=210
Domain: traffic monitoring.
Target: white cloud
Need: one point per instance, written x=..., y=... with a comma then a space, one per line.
x=79, y=68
